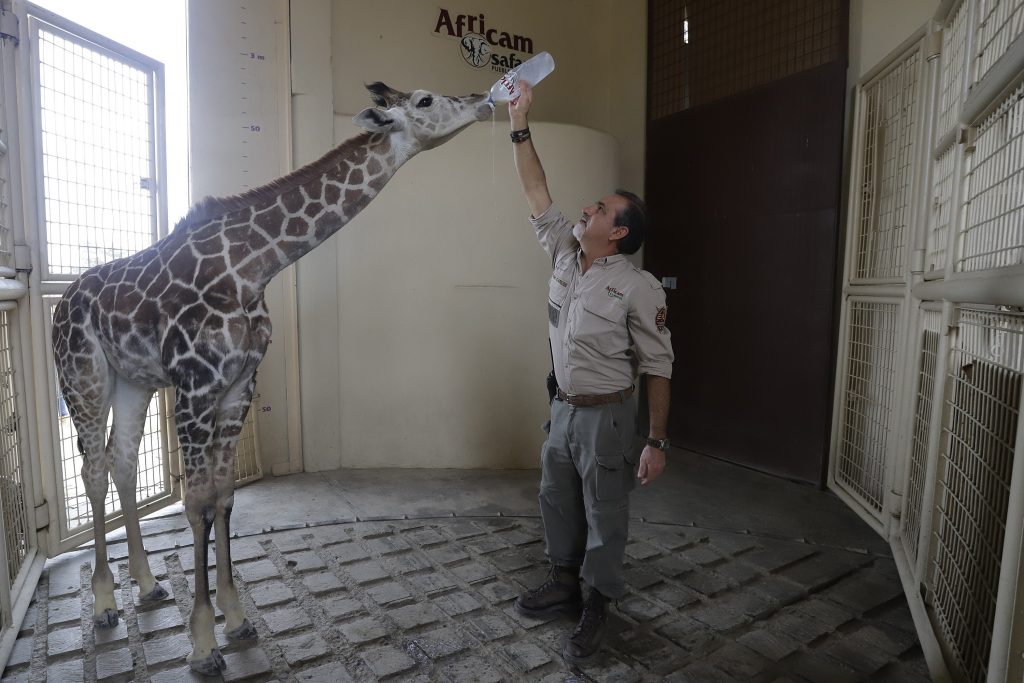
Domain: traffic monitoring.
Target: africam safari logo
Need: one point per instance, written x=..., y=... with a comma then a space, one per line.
x=475, y=50
x=477, y=41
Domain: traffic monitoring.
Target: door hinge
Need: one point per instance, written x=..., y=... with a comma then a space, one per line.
x=933, y=45
x=968, y=138
x=917, y=261
x=22, y=258
x=42, y=516
x=9, y=26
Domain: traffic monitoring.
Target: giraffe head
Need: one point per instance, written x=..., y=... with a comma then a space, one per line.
x=420, y=120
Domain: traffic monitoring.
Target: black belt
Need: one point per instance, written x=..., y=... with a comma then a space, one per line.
x=598, y=400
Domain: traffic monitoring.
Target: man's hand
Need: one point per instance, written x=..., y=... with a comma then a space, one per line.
x=652, y=464
x=519, y=108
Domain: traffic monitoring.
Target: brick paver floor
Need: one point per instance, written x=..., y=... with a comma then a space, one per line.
x=432, y=600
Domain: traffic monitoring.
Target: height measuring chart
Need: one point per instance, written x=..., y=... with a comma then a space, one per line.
x=238, y=80
x=239, y=99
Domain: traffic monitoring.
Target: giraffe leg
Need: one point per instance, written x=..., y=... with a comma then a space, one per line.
x=205, y=658
x=94, y=475
x=236, y=625
x=130, y=402
x=87, y=385
x=195, y=417
x=230, y=419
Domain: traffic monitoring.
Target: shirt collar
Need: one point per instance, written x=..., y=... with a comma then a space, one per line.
x=604, y=261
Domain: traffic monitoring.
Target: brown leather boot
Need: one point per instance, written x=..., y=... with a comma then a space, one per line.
x=589, y=632
x=560, y=593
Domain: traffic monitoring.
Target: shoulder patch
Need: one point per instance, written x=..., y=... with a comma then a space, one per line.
x=661, y=318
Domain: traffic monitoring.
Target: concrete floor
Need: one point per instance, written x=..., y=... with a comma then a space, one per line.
x=694, y=490
x=410, y=575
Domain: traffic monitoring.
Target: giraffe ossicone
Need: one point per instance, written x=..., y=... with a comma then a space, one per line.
x=188, y=313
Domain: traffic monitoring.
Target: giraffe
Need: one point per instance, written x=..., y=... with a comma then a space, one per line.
x=188, y=312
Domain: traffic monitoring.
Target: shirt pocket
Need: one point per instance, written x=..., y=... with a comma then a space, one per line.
x=558, y=290
x=604, y=325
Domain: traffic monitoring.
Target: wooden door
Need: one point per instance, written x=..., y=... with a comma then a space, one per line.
x=744, y=197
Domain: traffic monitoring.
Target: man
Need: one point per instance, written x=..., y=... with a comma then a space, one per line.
x=606, y=326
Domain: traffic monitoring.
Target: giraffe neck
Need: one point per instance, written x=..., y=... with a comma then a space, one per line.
x=270, y=227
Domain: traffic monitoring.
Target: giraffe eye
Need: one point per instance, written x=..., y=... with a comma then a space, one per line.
x=425, y=101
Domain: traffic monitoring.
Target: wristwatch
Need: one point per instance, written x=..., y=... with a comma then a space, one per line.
x=660, y=444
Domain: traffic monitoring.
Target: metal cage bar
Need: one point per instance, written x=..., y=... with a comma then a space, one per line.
x=942, y=213
x=992, y=235
x=20, y=481
x=928, y=350
x=955, y=38
x=984, y=383
x=248, y=465
x=99, y=171
x=13, y=498
x=1000, y=22
x=957, y=529
x=884, y=198
x=868, y=400
x=95, y=116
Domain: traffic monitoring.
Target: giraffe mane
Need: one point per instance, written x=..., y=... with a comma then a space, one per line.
x=209, y=207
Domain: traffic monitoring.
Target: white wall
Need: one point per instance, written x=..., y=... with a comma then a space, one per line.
x=878, y=26
x=599, y=48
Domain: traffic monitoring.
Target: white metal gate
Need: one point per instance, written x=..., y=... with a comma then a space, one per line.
x=926, y=433
x=20, y=483
x=97, y=128
x=100, y=173
x=81, y=178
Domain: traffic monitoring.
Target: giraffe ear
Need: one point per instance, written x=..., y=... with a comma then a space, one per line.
x=374, y=120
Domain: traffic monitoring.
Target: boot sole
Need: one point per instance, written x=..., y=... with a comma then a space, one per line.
x=570, y=608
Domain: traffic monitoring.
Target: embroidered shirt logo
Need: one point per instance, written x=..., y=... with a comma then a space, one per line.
x=614, y=293
x=661, y=318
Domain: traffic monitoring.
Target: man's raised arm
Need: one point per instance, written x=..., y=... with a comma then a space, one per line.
x=531, y=173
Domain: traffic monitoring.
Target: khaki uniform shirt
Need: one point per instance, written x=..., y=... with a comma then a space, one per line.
x=607, y=326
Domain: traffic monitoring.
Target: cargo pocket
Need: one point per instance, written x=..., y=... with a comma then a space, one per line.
x=610, y=476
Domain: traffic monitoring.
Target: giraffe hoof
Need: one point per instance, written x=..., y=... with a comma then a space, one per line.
x=210, y=665
x=246, y=631
x=105, y=619
x=157, y=594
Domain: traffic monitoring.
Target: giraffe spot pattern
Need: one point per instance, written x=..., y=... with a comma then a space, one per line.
x=297, y=226
x=332, y=194
x=293, y=200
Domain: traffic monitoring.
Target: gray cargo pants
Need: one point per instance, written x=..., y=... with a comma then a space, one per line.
x=588, y=468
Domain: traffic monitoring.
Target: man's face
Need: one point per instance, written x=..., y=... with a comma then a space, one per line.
x=596, y=229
